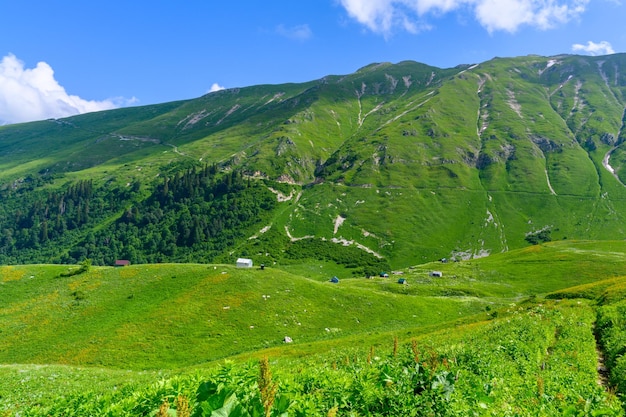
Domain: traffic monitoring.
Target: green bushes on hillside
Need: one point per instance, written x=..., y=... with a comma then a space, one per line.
x=611, y=328
x=540, y=236
x=364, y=264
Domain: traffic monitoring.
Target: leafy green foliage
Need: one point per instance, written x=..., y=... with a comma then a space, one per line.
x=611, y=329
x=528, y=357
x=536, y=360
x=84, y=267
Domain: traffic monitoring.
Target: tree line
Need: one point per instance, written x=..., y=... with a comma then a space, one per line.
x=190, y=215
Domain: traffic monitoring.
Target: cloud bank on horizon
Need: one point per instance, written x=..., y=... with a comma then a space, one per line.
x=28, y=94
x=384, y=16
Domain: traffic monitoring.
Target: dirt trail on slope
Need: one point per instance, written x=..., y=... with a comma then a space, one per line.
x=603, y=371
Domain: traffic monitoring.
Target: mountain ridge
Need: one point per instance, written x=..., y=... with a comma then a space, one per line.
x=419, y=162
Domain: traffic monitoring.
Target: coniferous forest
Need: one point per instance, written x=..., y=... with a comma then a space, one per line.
x=192, y=215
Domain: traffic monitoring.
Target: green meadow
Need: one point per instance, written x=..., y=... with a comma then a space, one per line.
x=493, y=329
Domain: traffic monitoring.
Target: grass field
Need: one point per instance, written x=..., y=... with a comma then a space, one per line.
x=109, y=328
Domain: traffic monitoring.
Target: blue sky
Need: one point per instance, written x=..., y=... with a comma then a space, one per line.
x=65, y=57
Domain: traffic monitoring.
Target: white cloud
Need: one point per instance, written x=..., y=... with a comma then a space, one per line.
x=28, y=94
x=592, y=48
x=381, y=15
x=216, y=87
x=387, y=16
x=298, y=32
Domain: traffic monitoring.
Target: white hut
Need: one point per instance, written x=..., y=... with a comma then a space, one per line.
x=244, y=263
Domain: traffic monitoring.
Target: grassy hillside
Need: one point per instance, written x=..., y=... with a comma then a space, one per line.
x=174, y=315
x=405, y=161
x=164, y=316
x=128, y=326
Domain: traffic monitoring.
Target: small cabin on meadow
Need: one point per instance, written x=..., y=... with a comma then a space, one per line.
x=244, y=263
x=122, y=262
x=334, y=280
x=437, y=274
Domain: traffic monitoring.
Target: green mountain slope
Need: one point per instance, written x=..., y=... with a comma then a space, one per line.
x=405, y=162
